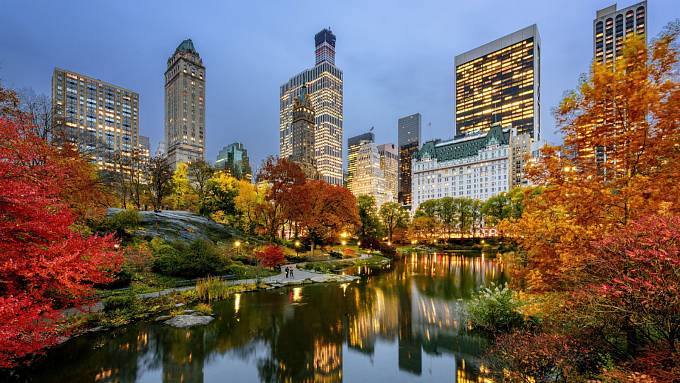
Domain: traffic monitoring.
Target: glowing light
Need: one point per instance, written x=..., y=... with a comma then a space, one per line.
x=237, y=244
x=297, y=294
x=237, y=302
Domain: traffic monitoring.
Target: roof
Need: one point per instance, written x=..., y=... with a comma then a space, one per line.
x=186, y=46
x=464, y=147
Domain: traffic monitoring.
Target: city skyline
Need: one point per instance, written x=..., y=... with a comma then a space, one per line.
x=394, y=84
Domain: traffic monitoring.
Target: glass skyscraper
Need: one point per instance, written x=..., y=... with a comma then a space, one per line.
x=499, y=82
x=409, y=130
x=325, y=89
x=234, y=159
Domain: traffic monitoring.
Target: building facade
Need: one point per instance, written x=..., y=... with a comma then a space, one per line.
x=389, y=164
x=185, y=105
x=499, y=82
x=409, y=136
x=234, y=159
x=102, y=119
x=353, y=144
x=302, y=135
x=369, y=178
x=612, y=26
x=476, y=166
x=325, y=88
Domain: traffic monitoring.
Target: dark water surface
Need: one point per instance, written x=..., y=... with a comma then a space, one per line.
x=400, y=324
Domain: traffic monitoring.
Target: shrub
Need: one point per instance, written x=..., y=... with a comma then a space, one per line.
x=203, y=308
x=335, y=254
x=119, y=302
x=495, y=309
x=197, y=259
x=387, y=250
x=211, y=288
x=348, y=253
x=270, y=256
x=119, y=223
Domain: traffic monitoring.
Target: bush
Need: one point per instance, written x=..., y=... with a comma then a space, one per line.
x=495, y=309
x=270, y=256
x=197, y=259
x=119, y=302
x=335, y=254
x=119, y=223
x=203, y=308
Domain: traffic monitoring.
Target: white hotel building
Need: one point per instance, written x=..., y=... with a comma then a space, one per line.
x=475, y=166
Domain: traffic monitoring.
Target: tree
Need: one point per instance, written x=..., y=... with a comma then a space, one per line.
x=183, y=196
x=423, y=227
x=220, y=199
x=44, y=264
x=369, y=223
x=39, y=108
x=159, y=174
x=200, y=173
x=446, y=211
x=249, y=201
x=328, y=210
x=270, y=256
x=393, y=217
x=496, y=208
x=282, y=176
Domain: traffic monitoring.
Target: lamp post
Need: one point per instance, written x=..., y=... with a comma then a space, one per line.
x=237, y=245
x=297, y=248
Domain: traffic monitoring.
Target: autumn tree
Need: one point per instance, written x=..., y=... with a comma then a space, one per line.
x=328, y=211
x=393, y=217
x=270, y=256
x=159, y=175
x=618, y=162
x=200, y=173
x=249, y=201
x=183, y=196
x=44, y=264
x=220, y=200
x=282, y=176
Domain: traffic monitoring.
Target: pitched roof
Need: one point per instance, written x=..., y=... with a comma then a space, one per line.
x=186, y=46
x=463, y=147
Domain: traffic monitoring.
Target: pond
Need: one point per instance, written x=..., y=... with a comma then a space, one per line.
x=403, y=323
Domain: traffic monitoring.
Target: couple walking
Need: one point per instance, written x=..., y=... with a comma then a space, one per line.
x=289, y=272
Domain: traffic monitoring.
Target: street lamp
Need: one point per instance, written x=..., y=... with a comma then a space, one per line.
x=343, y=242
x=237, y=245
x=389, y=243
x=297, y=247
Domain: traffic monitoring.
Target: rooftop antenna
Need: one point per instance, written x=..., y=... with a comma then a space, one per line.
x=372, y=127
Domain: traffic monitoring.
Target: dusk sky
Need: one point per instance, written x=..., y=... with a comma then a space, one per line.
x=397, y=56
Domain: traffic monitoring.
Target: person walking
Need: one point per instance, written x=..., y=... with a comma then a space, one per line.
x=291, y=272
x=287, y=271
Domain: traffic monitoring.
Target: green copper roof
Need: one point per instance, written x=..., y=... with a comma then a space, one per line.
x=186, y=46
x=464, y=147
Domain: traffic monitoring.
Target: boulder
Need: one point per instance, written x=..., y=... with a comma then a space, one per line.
x=184, y=321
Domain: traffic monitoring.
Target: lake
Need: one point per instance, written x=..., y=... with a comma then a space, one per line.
x=402, y=323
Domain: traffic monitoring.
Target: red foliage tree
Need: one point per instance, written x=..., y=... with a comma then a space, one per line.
x=284, y=177
x=270, y=256
x=44, y=264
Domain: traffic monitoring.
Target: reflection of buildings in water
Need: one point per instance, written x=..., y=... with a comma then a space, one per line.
x=183, y=360
x=431, y=317
x=376, y=315
x=327, y=362
x=481, y=269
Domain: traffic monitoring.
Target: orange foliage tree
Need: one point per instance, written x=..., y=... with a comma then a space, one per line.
x=284, y=177
x=619, y=161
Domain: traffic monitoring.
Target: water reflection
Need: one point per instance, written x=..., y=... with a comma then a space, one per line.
x=403, y=323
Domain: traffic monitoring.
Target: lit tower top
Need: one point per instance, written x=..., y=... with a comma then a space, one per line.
x=325, y=46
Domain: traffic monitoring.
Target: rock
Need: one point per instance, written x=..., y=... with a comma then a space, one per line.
x=163, y=318
x=179, y=304
x=184, y=321
x=188, y=311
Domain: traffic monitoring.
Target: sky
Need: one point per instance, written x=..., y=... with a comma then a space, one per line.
x=397, y=56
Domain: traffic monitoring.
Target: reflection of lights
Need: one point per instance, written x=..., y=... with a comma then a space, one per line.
x=344, y=288
x=237, y=303
x=297, y=294
x=344, y=243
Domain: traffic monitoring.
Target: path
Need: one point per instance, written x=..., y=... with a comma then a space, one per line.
x=299, y=275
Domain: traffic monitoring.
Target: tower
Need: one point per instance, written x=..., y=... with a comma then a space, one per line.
x=185, y=105
x=302, y=134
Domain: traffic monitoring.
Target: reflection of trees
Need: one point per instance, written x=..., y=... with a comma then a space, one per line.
x=298, y=335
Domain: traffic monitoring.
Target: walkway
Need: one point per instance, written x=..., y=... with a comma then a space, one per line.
x=299, y=275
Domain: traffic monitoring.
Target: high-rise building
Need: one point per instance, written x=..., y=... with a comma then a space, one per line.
x=144, y=148
x=409, y=130
x=185, y=105
x=369, y=178
x=325, y=89
x=499, y=82
x=234, y=159
x=389, y=164
x=302, y=135
x=102, y=119
x=611, y=26
x=353, y=144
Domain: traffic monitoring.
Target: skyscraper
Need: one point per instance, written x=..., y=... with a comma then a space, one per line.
x=302, y=135
x=234, y=159
x=325, y=89
x=389, y=164
x=611, y=26
x=185, y=105
x=409, y=129
x=353, y=144
x=369, y=178
x=101, y=118
x=499, y=82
